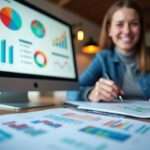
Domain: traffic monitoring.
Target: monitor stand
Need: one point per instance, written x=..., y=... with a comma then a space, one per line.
x=17, y=101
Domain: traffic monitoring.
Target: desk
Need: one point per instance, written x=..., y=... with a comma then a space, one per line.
x=51, y=102
x=55, y=102
x=71, y=129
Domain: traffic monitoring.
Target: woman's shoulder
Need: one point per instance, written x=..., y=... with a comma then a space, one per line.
x=106, y=53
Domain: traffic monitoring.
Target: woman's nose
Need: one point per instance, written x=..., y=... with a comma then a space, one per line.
x=126, y=28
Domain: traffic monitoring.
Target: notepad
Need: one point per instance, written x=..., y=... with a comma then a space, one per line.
x=133, y=108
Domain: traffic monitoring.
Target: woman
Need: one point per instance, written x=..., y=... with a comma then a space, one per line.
x=123, y=66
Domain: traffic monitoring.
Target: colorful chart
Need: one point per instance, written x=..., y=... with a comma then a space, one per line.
x=38, y=29
x=81, y=116
x=61, y=41
x=47, y=123
x=10, y=18
x=78, y=144
x=143, y=129
x=25, y=128
x=105, y=133
x=119, y=124
x=4, y=135
x=63, y=119
x=40, y=59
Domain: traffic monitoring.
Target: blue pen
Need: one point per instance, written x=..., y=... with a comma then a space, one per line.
x=119, y=96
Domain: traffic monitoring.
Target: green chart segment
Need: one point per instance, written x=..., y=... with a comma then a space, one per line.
x=38, y=29
x=10, y=18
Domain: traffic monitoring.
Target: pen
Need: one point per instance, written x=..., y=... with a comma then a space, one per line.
x=119, y=96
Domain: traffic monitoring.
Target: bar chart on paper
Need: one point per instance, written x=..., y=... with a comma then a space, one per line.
x=6, y=52
x=73, y=130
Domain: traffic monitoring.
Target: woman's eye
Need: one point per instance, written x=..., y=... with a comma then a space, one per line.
x=119, y=25
x=135, y=23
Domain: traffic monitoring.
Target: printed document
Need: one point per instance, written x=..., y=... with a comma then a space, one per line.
x=63, y=128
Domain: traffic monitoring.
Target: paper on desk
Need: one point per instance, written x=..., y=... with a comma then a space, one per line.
x=62, y=128
x=133, y=108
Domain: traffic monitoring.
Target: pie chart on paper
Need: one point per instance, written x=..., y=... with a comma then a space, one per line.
x=38, y=28
x=10, y=18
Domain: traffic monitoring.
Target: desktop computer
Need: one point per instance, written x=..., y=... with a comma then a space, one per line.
x=36, y=52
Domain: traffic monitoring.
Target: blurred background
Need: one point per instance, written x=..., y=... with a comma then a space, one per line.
x=86, y=17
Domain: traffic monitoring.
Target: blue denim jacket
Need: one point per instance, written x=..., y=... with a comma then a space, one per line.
x=108, y=62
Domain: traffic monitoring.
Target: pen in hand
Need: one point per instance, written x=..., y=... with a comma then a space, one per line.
x=119, y=96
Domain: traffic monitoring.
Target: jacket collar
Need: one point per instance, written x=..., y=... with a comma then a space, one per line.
x=116, y=59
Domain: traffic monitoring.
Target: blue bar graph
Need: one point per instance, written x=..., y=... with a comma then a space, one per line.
x=6, y=56
x=3, y=51
x=61, y=41
x=10, y=55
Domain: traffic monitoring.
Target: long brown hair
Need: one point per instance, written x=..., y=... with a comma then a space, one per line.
x=143, y=54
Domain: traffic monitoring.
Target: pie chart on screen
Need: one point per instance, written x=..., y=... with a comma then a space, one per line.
x=10, y=18
x=38, y=28
x=40, y=59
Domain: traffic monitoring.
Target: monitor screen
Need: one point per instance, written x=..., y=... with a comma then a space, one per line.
x=36, y=49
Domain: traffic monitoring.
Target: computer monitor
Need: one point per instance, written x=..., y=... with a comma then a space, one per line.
x=36, y=50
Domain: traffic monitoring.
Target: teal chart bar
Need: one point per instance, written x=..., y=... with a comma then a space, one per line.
x=3, y=51
x=6, y=56
x=10, y=55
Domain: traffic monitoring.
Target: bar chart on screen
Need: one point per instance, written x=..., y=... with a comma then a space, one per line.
x=6, y=52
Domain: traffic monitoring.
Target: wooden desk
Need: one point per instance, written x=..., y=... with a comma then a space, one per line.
x=51, y=102
x=55, y=103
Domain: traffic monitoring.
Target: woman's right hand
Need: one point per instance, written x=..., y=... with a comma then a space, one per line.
x=104, y=90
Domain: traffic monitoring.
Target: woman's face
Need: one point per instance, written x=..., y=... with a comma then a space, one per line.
x=125, y=29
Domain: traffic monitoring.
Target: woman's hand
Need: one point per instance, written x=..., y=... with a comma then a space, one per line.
x=104, y=90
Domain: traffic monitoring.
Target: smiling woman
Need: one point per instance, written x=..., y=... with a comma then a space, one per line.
x=124, y=58
x=125, y=29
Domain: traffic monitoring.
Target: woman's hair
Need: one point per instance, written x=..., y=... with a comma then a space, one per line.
x=143, y=54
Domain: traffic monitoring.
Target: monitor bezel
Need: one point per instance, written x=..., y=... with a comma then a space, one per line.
x=19, y=78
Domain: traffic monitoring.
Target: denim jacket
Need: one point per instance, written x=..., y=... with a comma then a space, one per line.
x=108, y=62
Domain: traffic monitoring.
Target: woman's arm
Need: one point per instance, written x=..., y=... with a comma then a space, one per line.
x=87, y=80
